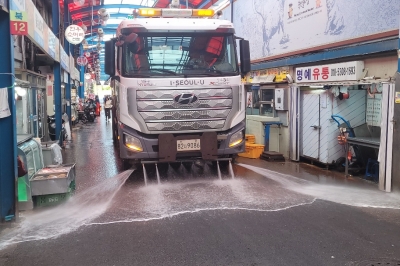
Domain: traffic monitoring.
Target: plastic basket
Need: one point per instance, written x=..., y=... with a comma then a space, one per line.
x=253, y=151
x=51, y=200
x=251, y=139
x=54, y=199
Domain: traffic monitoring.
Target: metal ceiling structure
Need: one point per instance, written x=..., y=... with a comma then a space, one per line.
x=85, y=12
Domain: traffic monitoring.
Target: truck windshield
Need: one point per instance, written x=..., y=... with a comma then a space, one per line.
x=188, y=54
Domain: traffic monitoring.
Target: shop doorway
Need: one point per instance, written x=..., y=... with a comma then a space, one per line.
x=310, y=125
x=319, y=131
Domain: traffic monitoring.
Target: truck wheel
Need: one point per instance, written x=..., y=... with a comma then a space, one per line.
x=114, y=132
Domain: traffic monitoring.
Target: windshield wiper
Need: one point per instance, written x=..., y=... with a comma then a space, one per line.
x=215, y=73
x=163, y=70
x=138, y=75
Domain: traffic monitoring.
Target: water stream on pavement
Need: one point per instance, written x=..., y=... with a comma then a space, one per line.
x=77, y=211
x=208, y=191
x=195, y=191
x=349, y=194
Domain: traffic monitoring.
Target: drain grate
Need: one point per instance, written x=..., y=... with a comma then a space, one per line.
x=378, y=262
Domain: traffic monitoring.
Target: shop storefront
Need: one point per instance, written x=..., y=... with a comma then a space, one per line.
x=342, y=118
x=267, y=109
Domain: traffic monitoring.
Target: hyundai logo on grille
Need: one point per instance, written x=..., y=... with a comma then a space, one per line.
x=185, y=98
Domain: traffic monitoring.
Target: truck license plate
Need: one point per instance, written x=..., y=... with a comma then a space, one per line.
x=188, y=145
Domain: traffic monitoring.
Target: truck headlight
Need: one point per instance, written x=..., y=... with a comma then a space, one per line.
x=132, y=143
x=236, y=139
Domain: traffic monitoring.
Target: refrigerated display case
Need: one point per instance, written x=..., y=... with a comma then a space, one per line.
x=44, y=177
x=30, y=152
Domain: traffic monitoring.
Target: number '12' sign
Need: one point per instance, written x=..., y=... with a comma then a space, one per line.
x=18, y=27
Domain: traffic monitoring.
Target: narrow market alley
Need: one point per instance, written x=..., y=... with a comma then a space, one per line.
x=193, y=217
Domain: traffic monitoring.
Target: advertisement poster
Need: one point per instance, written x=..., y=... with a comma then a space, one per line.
x=278, y=27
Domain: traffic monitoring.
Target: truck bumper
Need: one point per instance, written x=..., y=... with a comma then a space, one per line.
x=151, y=147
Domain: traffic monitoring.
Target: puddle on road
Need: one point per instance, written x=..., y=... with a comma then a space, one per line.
x=79, y=210
x=349, y=194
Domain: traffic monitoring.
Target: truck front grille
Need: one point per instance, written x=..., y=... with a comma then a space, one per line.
x=161, y=113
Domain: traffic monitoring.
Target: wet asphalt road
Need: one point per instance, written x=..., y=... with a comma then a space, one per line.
x=270, y=214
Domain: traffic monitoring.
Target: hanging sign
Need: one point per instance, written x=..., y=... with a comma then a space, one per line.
x=18, y=22
x=334, y=72
x=81, y=61
x=74, y=34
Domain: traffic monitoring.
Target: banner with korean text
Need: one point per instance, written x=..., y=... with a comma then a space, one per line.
x=64, y=59
x=348, y=71
x=38, y=30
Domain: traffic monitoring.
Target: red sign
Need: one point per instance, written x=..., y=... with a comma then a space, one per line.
x=19, y=27
x=81, y=61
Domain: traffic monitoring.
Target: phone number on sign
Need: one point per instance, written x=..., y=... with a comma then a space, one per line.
x=343, y=71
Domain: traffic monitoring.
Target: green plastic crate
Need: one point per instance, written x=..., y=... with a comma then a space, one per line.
x=54, y=199
x=50, y=200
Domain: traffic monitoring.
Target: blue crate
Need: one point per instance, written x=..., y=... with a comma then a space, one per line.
x=372, y=171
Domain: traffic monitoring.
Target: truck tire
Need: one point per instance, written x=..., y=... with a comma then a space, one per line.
x=114, y=132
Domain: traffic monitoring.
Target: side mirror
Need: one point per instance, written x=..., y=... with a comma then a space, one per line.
x=245, y=65
x=109, y=58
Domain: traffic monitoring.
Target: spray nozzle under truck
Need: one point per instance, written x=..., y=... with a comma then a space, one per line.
x=176, y=84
